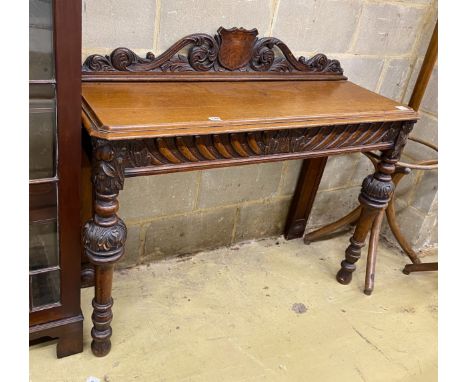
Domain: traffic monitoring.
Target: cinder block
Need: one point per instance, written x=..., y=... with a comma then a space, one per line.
x=428, y=28
x=408, y=219
x=426, y=129
x=332, y=205
x=339, y=171
x=388, y=29
x=317, y=26
x=396, y=78
x=149, y=197
x=132, y=248
x=184, y=234
x=428, y=233
x=180, y=17
x=363, y=71
x=239, y=184
x=264, y=219
x=363, y=168
x=430, y=100
x=111, y=23
x=425, y=191
x=419, y=229
x=291, y=171
x=404, y=189
x=415, y=69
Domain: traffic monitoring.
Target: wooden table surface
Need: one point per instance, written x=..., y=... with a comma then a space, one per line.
x=161, y=109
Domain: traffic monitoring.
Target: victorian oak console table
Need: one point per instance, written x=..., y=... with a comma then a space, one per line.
x=231, y=99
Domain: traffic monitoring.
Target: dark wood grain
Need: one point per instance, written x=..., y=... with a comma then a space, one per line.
x=426, y=71
x=42, y=201
x=232, y=54
x=144, y=110
x=104, y=237
x=87, y=269
x=69, y=332
x=67, y=50
x=170, y=113
x=376, y=192
x=304, y=196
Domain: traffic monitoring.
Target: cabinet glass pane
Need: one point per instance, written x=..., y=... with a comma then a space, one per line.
x=42, y=131
x=43, y=245
x=45, y=288
x=41, y=57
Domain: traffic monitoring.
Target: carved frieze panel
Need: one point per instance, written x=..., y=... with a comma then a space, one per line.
x=224, y=147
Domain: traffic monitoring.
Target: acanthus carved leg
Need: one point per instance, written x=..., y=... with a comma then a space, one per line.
x=376, y=192
x=104, y=236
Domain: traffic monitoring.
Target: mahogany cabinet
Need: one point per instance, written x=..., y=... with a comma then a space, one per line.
x=54, y=173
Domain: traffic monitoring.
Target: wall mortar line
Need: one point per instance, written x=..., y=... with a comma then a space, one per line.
x=383, y=74
x=275, y=6
x=353, y=41
x=157, y=27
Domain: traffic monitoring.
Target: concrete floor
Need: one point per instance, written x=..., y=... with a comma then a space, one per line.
x=227, y=315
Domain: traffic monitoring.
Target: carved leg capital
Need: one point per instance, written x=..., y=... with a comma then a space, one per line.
x=104, y=244
x=104, y=237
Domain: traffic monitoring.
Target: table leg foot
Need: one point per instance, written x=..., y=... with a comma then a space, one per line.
x=101, y=348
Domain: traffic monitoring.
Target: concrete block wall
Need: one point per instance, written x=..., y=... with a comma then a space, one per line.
x=380, y=45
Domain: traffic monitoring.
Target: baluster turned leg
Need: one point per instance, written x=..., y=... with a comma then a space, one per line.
x=376, y=192
x=353, y=252
x=104, y=237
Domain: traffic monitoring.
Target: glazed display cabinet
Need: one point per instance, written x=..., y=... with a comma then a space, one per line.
x=54, y=173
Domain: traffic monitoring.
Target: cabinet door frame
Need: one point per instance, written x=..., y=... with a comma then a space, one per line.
x=67, y=55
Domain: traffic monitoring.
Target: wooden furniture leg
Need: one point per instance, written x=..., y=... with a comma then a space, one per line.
x=71, y=340
x=372, y=253
x=69, y=332
x=304, y=196
x=391, y=219
x=351, y=218
x=104, y=237
x=87, y=269
x=375, y=194
x=425, y=267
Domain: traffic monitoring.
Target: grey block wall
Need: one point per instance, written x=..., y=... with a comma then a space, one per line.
x=380, y=45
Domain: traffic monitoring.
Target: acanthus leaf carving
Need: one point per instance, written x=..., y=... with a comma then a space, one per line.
x=108, y=166
x=104, y=242
x=401, y=139
x=376, y=191
x=235, y=49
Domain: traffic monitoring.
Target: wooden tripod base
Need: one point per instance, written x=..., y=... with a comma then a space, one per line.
x=426, y=267
x=353, y=217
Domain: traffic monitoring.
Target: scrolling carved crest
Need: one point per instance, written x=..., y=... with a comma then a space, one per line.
x=235, y=50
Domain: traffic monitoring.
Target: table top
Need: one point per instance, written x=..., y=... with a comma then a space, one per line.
x=162, y=109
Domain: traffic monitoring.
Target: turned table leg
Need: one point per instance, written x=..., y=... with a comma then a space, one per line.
x=372, y=253
x=353, y=252
x=104, y=237
x=376, y=192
